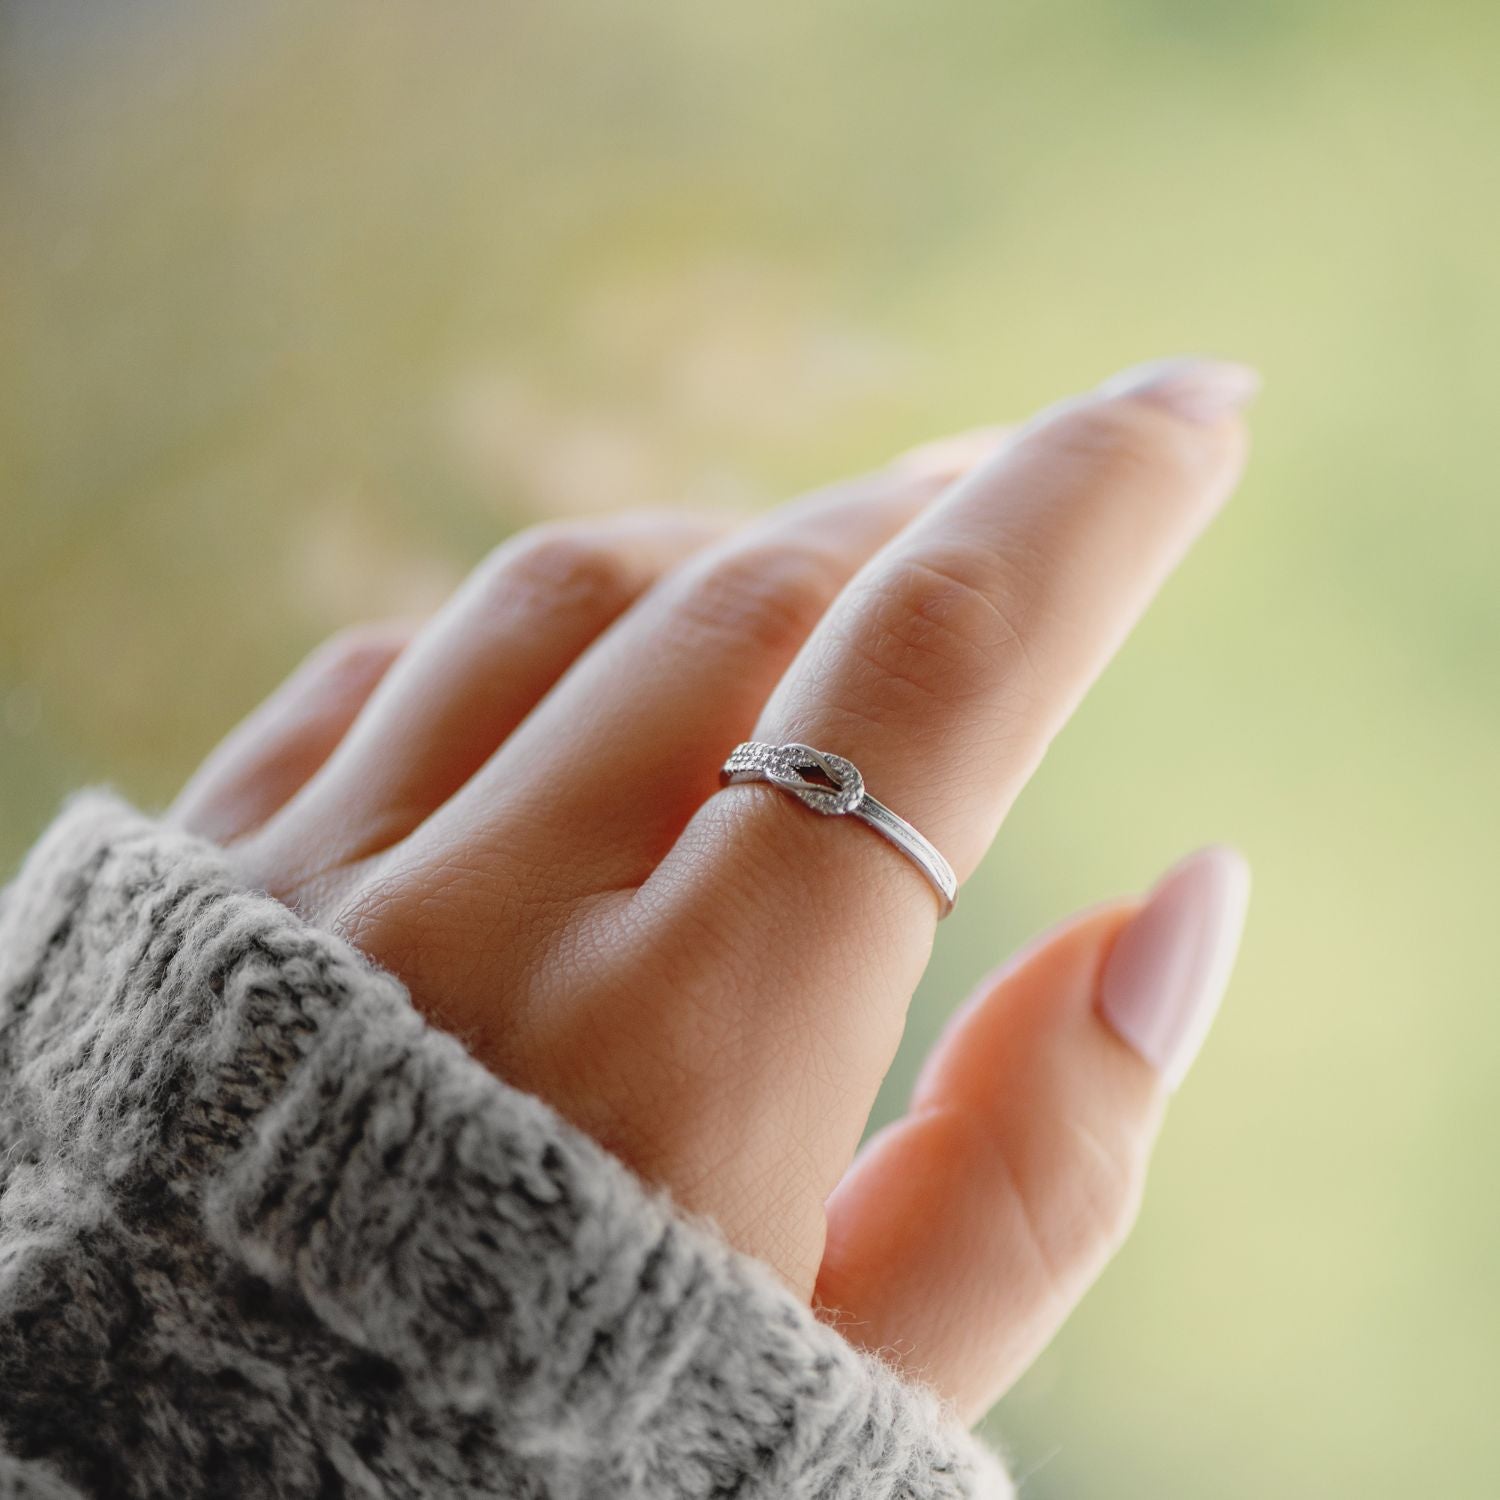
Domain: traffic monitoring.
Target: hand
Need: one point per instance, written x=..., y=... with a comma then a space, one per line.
x=517, y=810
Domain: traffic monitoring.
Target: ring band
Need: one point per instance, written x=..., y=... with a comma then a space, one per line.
x=839, y=790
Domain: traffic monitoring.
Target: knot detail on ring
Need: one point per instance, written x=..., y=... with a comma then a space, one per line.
x=827, y=783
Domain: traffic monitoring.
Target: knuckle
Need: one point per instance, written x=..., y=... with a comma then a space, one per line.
x=938, y=630
x=769, y=593
x=1108, y=1180
x=1119, y=443
x=556, y=567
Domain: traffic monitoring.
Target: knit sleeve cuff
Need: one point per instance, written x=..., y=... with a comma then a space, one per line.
x=354, y=1250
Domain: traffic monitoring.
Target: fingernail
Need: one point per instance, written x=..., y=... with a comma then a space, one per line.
x=1168, y=969
x=1199, y=390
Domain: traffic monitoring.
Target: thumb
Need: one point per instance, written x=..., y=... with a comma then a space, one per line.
x=966, y=1232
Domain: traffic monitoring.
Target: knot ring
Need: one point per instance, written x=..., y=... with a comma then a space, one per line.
x=832, y=785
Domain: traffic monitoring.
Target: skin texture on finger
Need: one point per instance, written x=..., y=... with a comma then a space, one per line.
x=967, y=1231
x=466, y=681
x=942, y=671
x=270, y=756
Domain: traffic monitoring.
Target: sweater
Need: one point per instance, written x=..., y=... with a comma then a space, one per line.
x=264, y=1232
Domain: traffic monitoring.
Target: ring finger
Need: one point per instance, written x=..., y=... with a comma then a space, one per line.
x=942, y=672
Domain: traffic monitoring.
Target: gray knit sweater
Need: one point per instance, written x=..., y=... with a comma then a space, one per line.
x=264, y=1232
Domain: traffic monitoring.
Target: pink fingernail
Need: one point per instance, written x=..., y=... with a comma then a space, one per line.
x=1168, y=969
x=1200, y=390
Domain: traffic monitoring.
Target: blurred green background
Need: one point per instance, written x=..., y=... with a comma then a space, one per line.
x=302, y=308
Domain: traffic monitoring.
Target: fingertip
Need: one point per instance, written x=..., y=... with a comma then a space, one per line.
x=351, y=660
x=949, y=457
x=1167, y=972
x=1194, y=388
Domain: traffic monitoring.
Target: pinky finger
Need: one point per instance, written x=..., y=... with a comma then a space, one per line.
x=268, y=757
x=966, y=1232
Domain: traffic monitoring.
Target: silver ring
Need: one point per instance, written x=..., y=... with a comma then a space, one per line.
x=839, y=790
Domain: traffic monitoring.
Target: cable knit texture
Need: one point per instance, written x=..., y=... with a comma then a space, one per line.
x=264, y=1232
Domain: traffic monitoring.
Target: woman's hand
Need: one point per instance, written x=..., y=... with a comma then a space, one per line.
x=517, y=810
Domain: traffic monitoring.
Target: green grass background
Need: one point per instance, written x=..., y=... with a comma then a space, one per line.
x=306, y=306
